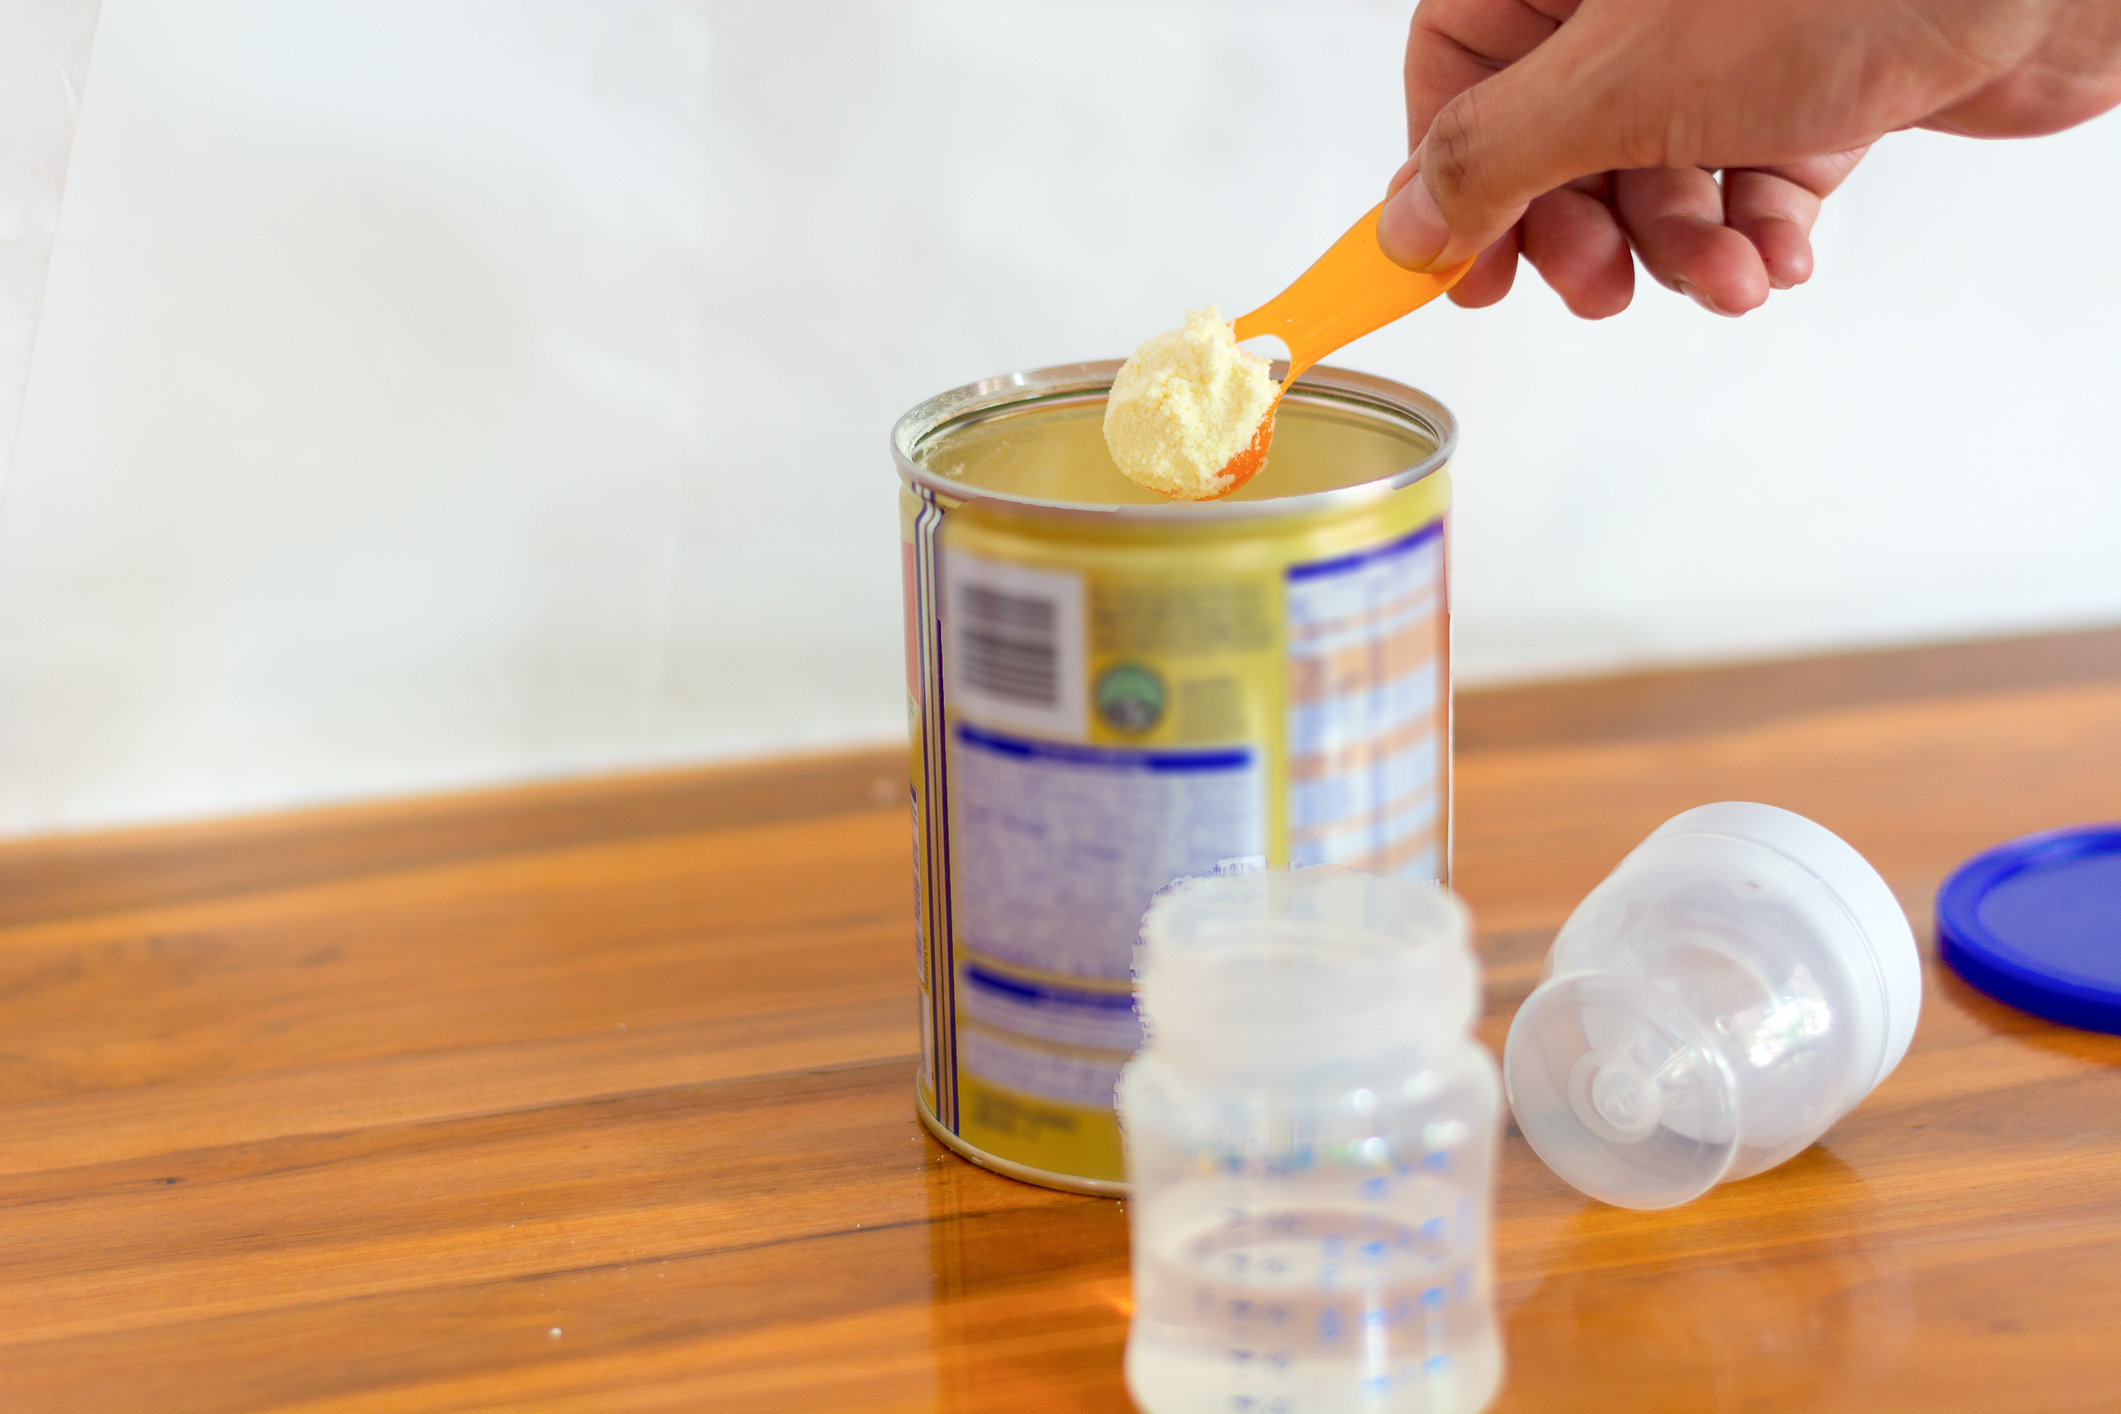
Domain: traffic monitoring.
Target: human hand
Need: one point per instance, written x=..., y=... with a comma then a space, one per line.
x=1577, y=130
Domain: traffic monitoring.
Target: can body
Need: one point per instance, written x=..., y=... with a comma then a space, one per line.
x=1104, y=696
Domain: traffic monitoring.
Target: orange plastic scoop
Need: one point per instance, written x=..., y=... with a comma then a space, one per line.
x=1349, y=291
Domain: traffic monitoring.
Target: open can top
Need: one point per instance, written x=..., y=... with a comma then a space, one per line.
x=1341, y=439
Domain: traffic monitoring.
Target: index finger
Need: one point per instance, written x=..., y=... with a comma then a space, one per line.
x=1454, y=44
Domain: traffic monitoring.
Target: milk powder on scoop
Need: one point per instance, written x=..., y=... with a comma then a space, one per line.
x=1184, y=405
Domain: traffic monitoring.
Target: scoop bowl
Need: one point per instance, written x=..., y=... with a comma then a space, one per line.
x=1350, y=291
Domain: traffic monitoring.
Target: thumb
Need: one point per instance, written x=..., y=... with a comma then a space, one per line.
x=1487, y=154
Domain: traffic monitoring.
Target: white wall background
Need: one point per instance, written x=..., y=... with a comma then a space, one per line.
x=444, y=392
x=44, y=47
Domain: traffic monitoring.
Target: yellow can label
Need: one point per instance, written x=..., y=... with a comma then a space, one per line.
x=1100, y=708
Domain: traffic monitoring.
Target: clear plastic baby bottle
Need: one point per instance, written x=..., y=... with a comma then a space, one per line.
x=1740, y=982
x=1310, y=1140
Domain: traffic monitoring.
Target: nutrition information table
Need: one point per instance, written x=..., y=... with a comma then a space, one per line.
x=600, y=1096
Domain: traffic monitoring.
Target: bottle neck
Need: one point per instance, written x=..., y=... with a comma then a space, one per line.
x=1310, y=1009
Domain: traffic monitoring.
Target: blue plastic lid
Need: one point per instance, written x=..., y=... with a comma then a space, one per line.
x=2037, y=923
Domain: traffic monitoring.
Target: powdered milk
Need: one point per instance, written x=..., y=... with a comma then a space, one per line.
x=1184, y=405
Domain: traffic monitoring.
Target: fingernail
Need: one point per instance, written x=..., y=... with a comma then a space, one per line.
x=1701, y=299
x=1405, y=174
x=1410, y=230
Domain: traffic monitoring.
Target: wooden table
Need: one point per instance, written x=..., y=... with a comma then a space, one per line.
x=599, y=1096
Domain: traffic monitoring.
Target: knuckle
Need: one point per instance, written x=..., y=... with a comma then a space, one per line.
x=1449, y=156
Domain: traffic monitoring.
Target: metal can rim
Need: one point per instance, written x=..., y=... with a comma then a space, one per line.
x=1069, y=381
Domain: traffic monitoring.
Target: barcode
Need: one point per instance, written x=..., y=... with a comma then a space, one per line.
x=1010, y=646
x=1015, y=656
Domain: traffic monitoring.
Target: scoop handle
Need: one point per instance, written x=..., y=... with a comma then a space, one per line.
x=1349, y=291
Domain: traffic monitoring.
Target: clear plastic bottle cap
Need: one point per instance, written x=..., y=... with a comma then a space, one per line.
x=1738, y=983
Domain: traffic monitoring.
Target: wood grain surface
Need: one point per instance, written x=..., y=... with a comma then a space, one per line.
x=599, y=1096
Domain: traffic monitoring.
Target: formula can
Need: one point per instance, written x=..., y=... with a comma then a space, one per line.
x=1107, y=691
